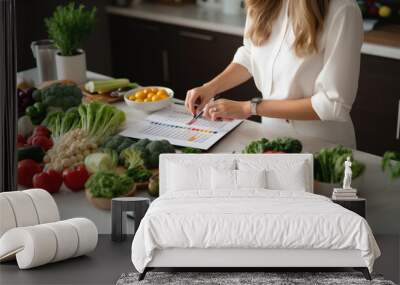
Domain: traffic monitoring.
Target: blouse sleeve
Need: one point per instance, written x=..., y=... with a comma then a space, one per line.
x=336, y=85
x=243, y=54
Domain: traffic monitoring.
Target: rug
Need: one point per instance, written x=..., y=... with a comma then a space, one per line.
x=252, y=278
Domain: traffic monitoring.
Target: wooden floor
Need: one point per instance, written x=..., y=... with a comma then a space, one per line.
x=110, y=260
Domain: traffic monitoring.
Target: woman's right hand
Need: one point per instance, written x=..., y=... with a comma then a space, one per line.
x=198, y=97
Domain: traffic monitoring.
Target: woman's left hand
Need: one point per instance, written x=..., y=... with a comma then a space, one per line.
x=224, y=109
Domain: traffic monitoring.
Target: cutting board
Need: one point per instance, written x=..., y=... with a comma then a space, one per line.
x=89, y=97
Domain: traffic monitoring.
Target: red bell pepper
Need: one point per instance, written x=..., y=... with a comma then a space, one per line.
x=41, y=131
x=50, y=181
x=27, y=168
x=76, y=177
x=44, y=142
x=273, y=151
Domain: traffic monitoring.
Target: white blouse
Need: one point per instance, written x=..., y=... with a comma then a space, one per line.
x=329, y=77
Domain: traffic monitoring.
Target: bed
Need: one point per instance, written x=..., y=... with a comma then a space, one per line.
x=240, y=210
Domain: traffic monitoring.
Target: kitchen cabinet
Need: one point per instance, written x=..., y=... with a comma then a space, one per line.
x=153, y=53
x=182, y=58
x=198, y=56
x=137, y=51
x=375, y=111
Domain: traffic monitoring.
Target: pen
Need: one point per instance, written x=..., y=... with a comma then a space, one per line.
x=195, y=117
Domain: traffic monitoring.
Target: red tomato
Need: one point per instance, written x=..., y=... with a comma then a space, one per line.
x=43, y=142
x=41, y=131
x=50, y=181
x=27, y=168
x=29, y=140
x=76, y=177
x=21, y=139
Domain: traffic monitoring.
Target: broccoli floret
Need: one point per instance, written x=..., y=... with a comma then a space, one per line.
x=257, y=146
x=139, y=174
x=60, y=95
x=146, y=153
x=132, y=158
x=287, y=145
x=154, y=149
x=142, y=144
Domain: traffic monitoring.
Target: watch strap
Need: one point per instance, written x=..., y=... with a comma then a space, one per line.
x=253, y=105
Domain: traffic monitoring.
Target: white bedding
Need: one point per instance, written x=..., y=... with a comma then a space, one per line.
x=252, y=218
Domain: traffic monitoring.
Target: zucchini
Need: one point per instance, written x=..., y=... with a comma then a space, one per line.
x=35, y=153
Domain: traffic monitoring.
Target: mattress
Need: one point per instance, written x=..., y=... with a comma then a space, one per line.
x=250, y=219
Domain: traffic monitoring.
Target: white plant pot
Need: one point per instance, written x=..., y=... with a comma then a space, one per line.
x=72, y=67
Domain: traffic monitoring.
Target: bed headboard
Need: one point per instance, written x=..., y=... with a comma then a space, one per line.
x=210, y=159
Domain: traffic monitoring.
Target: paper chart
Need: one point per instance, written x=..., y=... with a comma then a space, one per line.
x=171, y=124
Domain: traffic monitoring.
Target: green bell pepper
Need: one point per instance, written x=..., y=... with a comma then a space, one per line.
x=36, y=112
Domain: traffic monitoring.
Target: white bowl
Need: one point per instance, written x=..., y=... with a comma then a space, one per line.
x=149, y=106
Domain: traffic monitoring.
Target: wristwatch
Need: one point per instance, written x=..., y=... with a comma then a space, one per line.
x=253, y=105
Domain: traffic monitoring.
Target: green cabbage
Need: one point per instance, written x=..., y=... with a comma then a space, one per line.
x=100, y=120
x=99, y=161
x=109, y=185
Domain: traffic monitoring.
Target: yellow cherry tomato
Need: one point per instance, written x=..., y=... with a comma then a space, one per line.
x=150, y=95
x=139, y=100
x=155, y=98
x=147, y=100
x=145, y=91
x=140, y=95
x=132, y=97
x=154, y=90
x=162, y=94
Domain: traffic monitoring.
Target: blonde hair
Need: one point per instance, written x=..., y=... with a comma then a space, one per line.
x=307, y=16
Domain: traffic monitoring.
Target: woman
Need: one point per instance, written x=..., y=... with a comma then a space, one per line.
x=304, y=56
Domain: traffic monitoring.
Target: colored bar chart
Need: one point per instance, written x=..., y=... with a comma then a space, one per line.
x=171, y=124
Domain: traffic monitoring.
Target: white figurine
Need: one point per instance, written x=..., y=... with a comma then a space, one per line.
x=347, y=174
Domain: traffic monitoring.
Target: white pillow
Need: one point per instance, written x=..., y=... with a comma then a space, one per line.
x=223, y=179
x=251, y=178
x=189, y=176
x=237, y=179
x=294, y=178
x=282, y=175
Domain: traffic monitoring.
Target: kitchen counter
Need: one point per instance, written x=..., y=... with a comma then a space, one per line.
x=187, y=15
x=386, y=44
x=383, y=195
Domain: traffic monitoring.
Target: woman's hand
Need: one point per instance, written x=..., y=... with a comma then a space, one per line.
x=224, y=109
x=198, y=97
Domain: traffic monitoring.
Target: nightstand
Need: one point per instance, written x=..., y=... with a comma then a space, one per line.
x=119, y=207
x=358, y=205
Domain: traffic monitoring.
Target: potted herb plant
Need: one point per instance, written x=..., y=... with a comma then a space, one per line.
x=68, y=27
x=329, y=169
x=391, y=164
